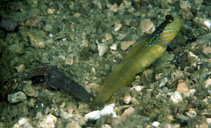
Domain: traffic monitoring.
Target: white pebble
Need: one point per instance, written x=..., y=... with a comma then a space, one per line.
x=50, y=35
x=163, y=82
x=102, y=48
x=155, y=123
x=207, y=23
x=137, y=88
x=176, y=97
x=107, y=110
x=113, y=47
x=24, y=122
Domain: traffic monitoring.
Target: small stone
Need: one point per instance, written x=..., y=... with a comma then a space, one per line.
x=207, y=23
x=155, y=123
x=127, y=99
x=192, y=59
x=105, y=126
x=20, y=68
x=163, y=82
x=24, y=122
x=203, y=125
x=69, y=61
x=107, y=110
x=208, y=120
x=189, y=92
x=16, y=97
x=108, y=36
x=114, y=8
x=176, y=97
x=48, y=121
x=206, y=50
x=126, y=44
x=51, y=11
x=121, y=36
x=182, y=87
x=30, y=91
x=77, y=15
x=184, y=4
x=208, y=83
x=127, y=113
x=102, y=48
x=191, y=113
x=65, y=115
x=33, y=22
x=117, y=27
x=147, y=26
x=138, y=88
x=31, y=102
x=113, y=47
x=134, y=101
x=84, y=43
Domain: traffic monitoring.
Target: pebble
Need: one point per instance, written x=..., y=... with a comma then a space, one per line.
x=208, y=120
x=20, y=67
x=31, y=103
x=207, y=83
x=126, y=44
x=84, y=43
x=163, y=82
x=30, y=91
x=127, y=113
x=48, y=121
x=106, y=126
x=127, y=98
x=203, y=125
x=176, y=75
x=107, y=110
x=113, y=8
x=77, y=15
x=51, y=11
x=189, y=92
x=205, y=23
x=155, y=123
x=184, y=4
x=206, y=50
x=191, y=113
x=16, y=97
x=121, y=36
x=117, y=27
x=102, y=48
x=65, y=115
x=138, y=88
x=147, y=26
x=182, y=87
x=113, y=47
x=108, y=36
x=33, y=22
x=176, y=97
x=23, y=123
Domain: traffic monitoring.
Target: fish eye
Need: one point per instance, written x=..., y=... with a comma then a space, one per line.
x=169, y=18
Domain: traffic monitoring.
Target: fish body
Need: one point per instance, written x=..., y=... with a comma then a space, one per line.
x=139, y=58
